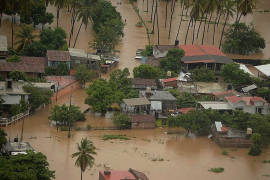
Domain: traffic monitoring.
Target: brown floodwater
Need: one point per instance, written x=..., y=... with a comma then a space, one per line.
x=160, y=155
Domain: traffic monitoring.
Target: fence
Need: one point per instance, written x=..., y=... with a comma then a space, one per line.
x=13, y=119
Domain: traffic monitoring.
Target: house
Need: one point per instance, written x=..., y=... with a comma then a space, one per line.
x=140, y=121
x=3, y=47
x=12, y=92
x=15, y=148
x=31, y=66
x=228, y=137
x=249, y=104
x=79, y=56
x=160, y=98
x=56, y=57
x=197, y=56
x=136, y=105
x=221, y=95
x=170, y=82
x=160, y=51
x=131, y=174
x=142, y=84
x=215, y=105
x=263, y=70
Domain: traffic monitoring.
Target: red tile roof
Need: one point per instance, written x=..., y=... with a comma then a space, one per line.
x=26, y=64
x=185, y=110
x=55, y=55
x=118, y=175
x=169, y=79
x=192, y=50
x=248, y=100
x=211, y=50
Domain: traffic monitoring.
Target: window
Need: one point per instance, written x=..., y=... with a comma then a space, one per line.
x=259, y=110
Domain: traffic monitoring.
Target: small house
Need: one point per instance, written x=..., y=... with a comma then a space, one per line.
x=3, y=47
x=31, y=66
x=136, y=105
x=228, y=137
x=163, y=98
x=56, y=57
x=140, y=121
x=160, y=51
x=142, y=84
x=15, y=148
x=169, y=83
x=263, y=71
x=215, y=105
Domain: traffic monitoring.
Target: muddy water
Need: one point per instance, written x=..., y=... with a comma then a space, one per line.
x=180, y=157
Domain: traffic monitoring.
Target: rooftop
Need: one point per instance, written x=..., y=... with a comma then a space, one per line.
x=169, y=79
x=3, y=43
x=145, y=82
x=215, y=105
x=26, y=64
x=118, y=175
x=248, y=100
x=136, y=101
x=18, y=147
x=159, y=95
x=142, y=118
x=163, y=48
x=56, y=55
x=224, y=93
x=265, y=69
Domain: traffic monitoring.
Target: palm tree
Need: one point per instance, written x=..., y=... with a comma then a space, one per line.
x=59, y=4
x=244, y=7
x=184, y=6
x=86, y=150
x=229, y=9
x=84, y=15
x=218, y=14
x=172, y=12
x=25, y=36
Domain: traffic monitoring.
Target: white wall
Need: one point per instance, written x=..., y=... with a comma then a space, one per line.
x=13, y=99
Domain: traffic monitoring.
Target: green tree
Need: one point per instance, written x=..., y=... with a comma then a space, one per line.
x=172, y=62
x=83, y=74
x=53, y=39
x=61, y=69
x=146, y=71
x=203, y=75
x=122, y=121
x=119, y=80
x=101, y=95
x=3, y=139
x=13, y=58
x=231, y=73
x=25, y=37
x=255, y=149
x=242, y=39
x=17, y=75
x=31, y=166
x=84, y=156
x=35, y=49
x=38, y=96
x=148, y=50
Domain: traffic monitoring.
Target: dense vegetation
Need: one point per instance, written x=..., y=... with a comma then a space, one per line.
x=31, y=166
x=242, y=39
x=83, y=74
x=122, y=121
x=172, y=62
x=38, y=96
x=102, y=94
x=146, y=71
x=203, y=75
x=61, y=69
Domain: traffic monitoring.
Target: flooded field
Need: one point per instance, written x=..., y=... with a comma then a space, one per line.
x=160, y=155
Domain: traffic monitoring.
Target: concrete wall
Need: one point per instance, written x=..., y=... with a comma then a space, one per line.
x=66, y=90
x=13, y=99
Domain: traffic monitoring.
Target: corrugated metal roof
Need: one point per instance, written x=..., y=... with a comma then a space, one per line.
x=136, y=101
x=156, y=105
x=249, y=88
x=216, y=105
x=265, y=69
x=245, y=69
x=77, y=52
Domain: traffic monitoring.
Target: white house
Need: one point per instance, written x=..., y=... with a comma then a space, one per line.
x=160, y=51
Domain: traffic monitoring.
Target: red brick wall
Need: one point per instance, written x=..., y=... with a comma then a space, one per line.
x=67, y=90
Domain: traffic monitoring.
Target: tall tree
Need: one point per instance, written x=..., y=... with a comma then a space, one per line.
x=84, y=156
x=166, y=17
x=244, y=7
x=24, y=36
x=172, y=12
x=59, y=4
x=84, y=15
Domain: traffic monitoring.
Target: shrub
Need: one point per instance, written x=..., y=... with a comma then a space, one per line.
x=14, y=58
x=217, y=170
x=122, y=121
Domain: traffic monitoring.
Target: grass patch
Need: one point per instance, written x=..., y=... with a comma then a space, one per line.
x=266, y=161
x=216, y=170
x=225, y=153
x=111, y=136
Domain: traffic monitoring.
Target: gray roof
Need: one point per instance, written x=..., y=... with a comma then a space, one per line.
x=217, y=59
x=18, y=146
x=249, y=88
x=136, y=101
x=3, y=43
x=159, y=95
x=216, y=105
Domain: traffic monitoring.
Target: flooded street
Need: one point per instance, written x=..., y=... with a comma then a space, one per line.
x=160, y=155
